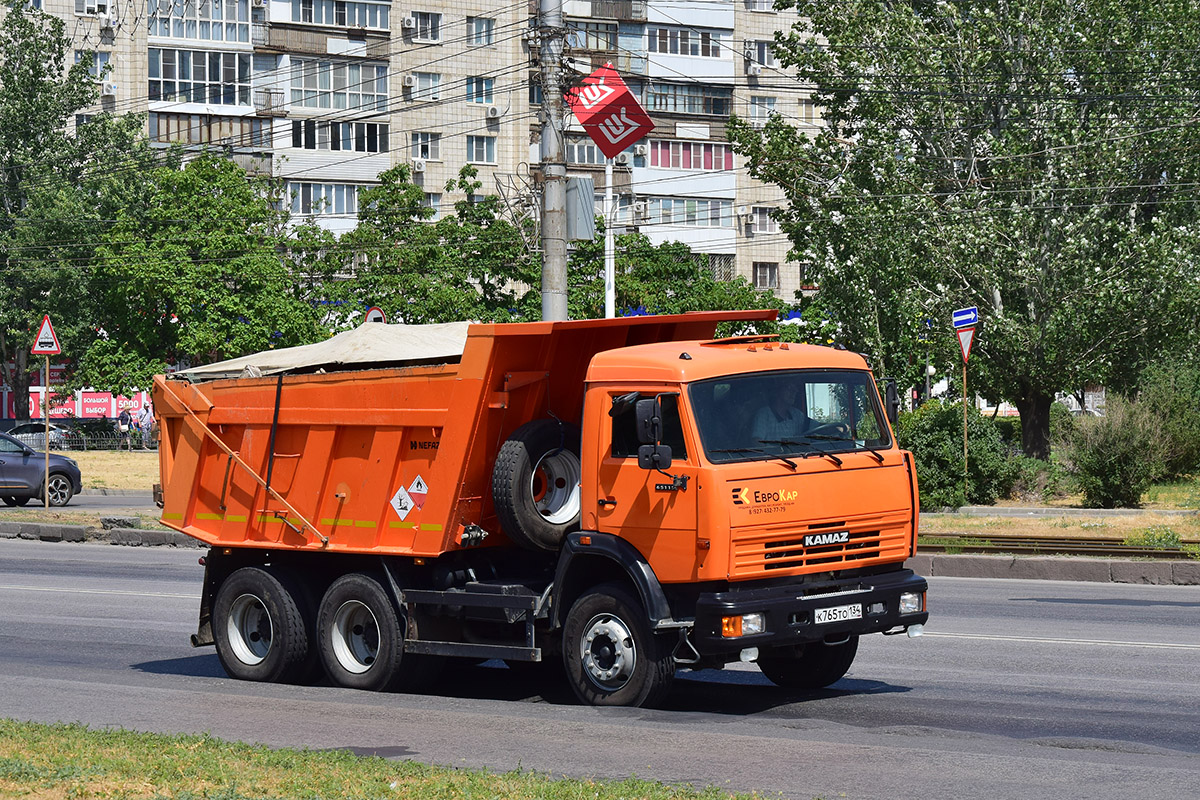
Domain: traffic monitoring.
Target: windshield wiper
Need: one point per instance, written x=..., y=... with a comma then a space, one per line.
x=876, y=453
x=806, y=440
x=774, y=456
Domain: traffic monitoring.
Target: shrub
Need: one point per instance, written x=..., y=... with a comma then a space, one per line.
x=934, y=434
x=1062, y=424
x=1037, y=481
x=1156, y=537
x=1171, y=392
x=1115, y=457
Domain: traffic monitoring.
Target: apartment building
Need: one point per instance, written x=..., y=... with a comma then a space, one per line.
x=326, y=94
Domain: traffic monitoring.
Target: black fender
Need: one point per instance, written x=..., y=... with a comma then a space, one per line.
x=581, y=566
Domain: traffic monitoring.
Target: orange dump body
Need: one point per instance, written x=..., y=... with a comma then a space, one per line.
x=390, y=461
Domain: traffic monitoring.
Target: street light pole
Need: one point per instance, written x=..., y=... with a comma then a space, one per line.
x=554, y=165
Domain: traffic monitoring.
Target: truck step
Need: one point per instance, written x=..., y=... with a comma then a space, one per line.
x=469, y=650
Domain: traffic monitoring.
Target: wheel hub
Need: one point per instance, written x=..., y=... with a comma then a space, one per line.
x=249, y=629
x=355, y=637
x=607, y=652
x=554, y=485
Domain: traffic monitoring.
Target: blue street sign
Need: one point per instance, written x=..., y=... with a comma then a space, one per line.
x=965, y=317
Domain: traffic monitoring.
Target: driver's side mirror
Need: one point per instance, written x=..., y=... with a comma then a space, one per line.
x=651, y=454
x=891, y=400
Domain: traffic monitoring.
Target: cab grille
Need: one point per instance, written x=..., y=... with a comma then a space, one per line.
x=776, y=550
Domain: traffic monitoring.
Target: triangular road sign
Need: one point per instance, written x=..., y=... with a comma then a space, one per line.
x=46, y=343
x=965, y=336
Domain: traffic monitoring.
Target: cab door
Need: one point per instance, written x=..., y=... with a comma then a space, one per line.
x=653, y=511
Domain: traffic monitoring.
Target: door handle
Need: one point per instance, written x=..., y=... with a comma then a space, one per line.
x=605, y=502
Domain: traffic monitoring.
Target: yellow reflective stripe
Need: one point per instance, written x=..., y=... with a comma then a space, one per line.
x=328, y=521
x=173, y=515
x=431, y=527
x=364, y=523
x=408, y=525
x=207, y=515
x=235, y=518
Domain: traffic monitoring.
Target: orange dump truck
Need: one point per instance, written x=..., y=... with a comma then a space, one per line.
x=624, y=497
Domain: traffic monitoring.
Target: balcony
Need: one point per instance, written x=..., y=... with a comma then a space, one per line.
x=270, y=103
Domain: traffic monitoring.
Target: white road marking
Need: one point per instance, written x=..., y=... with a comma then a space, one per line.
x=97, y=591
x=1046, y=640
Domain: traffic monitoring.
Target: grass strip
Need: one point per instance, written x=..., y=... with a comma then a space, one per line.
x=73, y=762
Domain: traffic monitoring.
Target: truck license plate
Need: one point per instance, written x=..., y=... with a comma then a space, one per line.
x=838, y=614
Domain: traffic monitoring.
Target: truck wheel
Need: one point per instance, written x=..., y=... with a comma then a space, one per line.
x=535, y=484
x=60, y=490
x=259, y=629
x=361, y=635
x=810, y=666
x=611, y=656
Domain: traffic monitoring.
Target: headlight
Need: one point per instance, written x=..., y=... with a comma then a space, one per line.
x=912, y=602
x=745, y=625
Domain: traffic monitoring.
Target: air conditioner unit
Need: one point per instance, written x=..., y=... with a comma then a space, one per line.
x=418, y=165
x=754, y=70
x=409, y=24
x=259, y=3
x=743, y=210
x=639, y=209
x=108, y=89
x=622, y=160
x=641, y=150
x=493, y=112
x=409, y=81
x=750, y=51
x=105, y=21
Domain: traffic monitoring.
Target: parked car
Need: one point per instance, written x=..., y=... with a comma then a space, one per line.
x=23, y=473
x=62, y=437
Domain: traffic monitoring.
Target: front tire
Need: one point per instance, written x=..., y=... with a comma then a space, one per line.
x=259, y=628
x=612, y=657
x=810, y=666
x=60, y=490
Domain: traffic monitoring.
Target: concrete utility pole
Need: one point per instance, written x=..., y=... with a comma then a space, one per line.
x=554, y=165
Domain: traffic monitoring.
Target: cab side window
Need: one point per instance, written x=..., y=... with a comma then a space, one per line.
x=624, y=431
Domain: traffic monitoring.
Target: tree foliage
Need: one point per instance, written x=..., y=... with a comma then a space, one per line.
x=1034, y=159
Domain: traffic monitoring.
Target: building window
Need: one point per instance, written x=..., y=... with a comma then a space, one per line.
x=721, y=266
x=433, y=200
x=760, y=52
x=429, y=86
x=331, y=84
x=592, y=35
x=210, y=129
x=584, y=151
x=766, y=275
x=691, y=155
x=207, y=20
x=761, y=109
x=324, y=199
x=763, y=221
x=806, y=111
x=89, y=7
x=684, y=42
x=481, y=149
x=480, y=31
x=535, y=89
x=689, y=98
x=97, y=61
x=428, y=26
x=693, y=212
x=479, y=90
x=357, y=137
x=343, y=14
x=760, y=5
x=199, y=76
x=427, y=145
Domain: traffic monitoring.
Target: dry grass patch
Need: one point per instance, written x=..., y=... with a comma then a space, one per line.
x=117, y=469
x=1117, y=527
x=71, y=762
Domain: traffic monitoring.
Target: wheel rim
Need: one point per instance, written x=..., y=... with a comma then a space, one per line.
x=250, y=629
x=607, y=652
x=60, y=490
x=355, y=637
x=554, y=486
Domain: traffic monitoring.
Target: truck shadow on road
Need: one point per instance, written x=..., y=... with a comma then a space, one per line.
x=735, y=692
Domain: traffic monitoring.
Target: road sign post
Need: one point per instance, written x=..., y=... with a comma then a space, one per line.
x=965, y=337
x=46, y=344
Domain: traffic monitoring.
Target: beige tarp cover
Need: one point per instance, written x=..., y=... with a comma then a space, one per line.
x=372, y=344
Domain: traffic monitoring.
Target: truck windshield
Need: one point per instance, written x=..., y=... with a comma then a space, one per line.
x=794, y=413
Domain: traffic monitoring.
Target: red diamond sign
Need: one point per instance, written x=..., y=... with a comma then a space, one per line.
x=608, y=111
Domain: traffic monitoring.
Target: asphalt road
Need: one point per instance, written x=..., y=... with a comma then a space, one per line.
x=1022, y=689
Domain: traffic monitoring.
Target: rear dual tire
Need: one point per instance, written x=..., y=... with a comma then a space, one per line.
x=260, y=628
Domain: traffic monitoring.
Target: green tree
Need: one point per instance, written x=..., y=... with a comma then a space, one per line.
x=468, y=265
x=1034, y=159
x=196, y=273
x=39, y=199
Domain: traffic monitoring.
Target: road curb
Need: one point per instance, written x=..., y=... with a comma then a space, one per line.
x=1057, y=568
x=129, y=537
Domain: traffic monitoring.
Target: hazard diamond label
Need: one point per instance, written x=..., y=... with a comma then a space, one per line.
x=46, y=343
x=403, y=503
x=418, y=490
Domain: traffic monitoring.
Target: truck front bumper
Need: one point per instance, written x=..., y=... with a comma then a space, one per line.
x=860, y=605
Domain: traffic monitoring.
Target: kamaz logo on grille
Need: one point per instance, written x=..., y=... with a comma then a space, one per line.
x=815, y=539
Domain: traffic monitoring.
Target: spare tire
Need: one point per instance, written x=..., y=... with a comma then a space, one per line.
x=535, y=484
